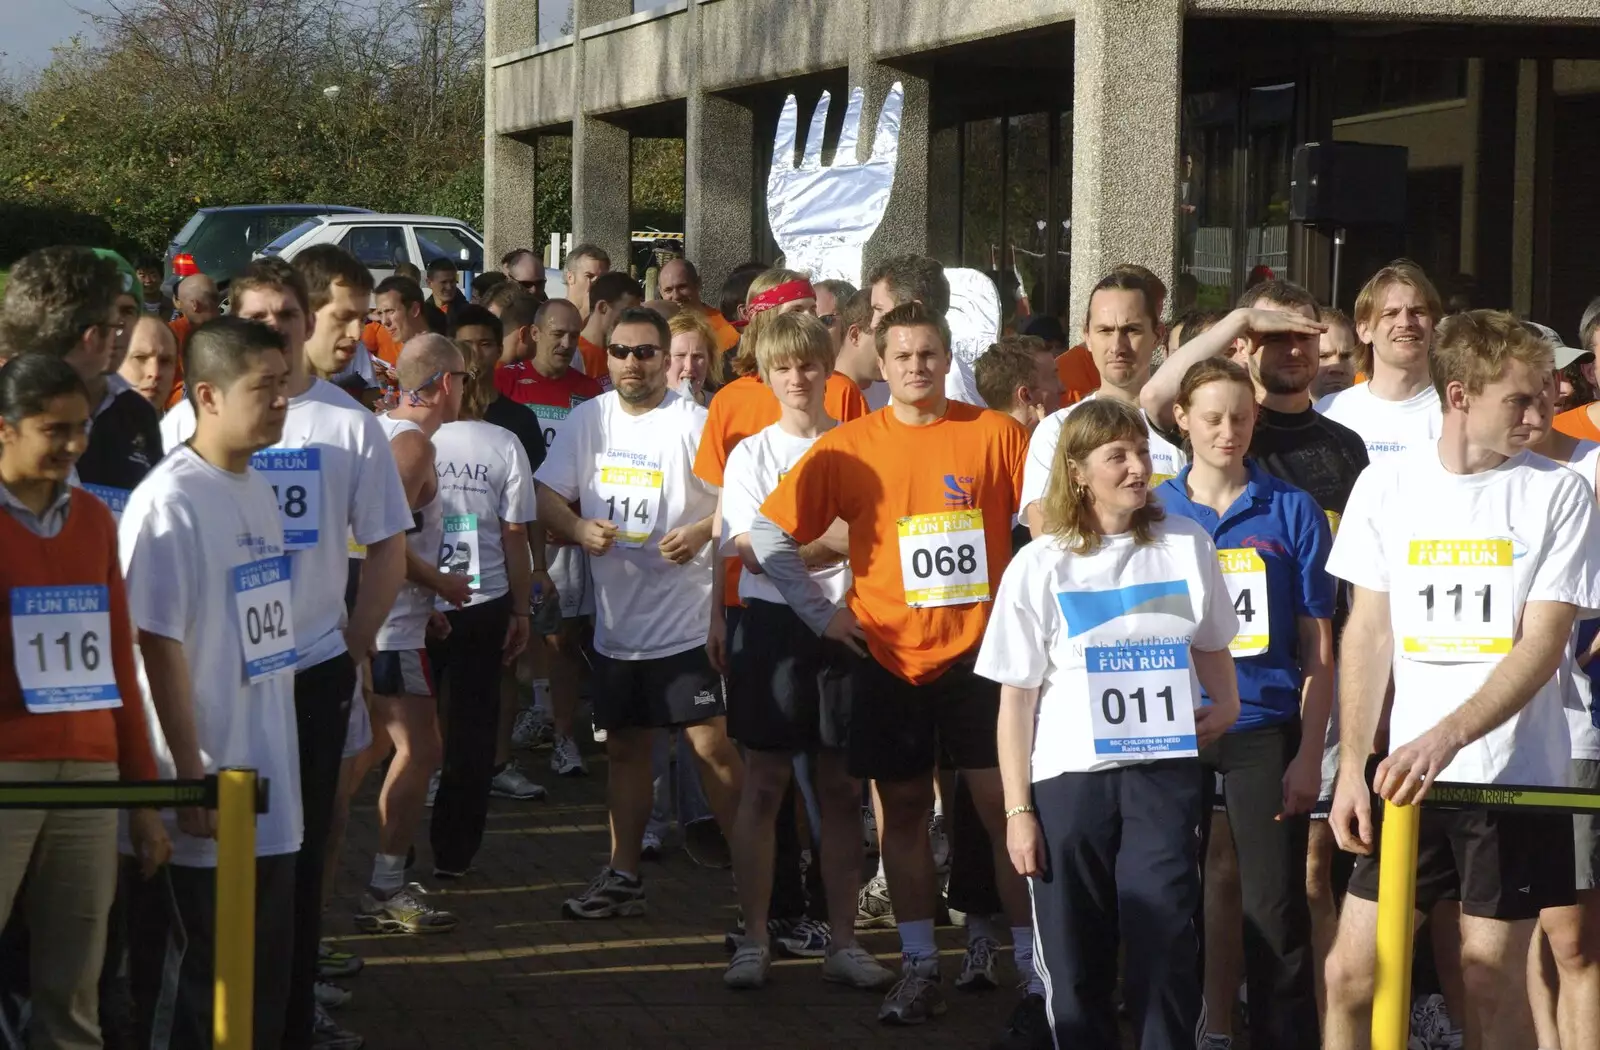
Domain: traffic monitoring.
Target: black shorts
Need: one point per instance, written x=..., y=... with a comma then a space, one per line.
x=648, y=694
x=788, y=690
x=1498, y=864
x=897, y=729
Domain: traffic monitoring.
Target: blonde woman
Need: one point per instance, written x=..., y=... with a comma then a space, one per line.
x=694, y=368
x=774, y=292
x=1105, y=630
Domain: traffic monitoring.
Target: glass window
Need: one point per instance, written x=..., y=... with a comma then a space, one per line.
x=450, y=243
x=284, y=240
x=377, y=247
x=1207, y=200
x=224, y=242
x=981, y=180
x=1269, y=119
x=555, y=19
x=1026, y=289
x=1368, y=85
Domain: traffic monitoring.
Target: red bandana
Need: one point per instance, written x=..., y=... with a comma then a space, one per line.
x=787, y=292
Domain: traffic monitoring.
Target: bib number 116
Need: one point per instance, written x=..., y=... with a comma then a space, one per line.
x=88, y=649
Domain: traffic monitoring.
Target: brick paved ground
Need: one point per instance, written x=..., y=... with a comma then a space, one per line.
x=516, y=974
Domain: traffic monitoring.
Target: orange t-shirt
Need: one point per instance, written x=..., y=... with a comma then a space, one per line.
x=726, y=335
x=1578, y=423
x=742, y=408
x=180, y=334
x=594, y=362
x=877, y=472
x=380, y=343
x=1079, y=376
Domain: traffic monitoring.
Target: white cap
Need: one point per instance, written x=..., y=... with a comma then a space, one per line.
x=1565, y=355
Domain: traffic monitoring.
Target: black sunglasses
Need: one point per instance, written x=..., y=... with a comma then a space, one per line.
x=645, y=352
x=532, y=284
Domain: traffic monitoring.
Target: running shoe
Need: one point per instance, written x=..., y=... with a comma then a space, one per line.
x=1028, y=1029
x=804, y=939
x=511, y=782
x=608, y=896
x=855, y=966
x=916, y=996
x=650, y=846
x=748, y=967
x=874, y=912
x=565, y=758
x=977, y=966
x=405, y=911
x=1216, y=1041
x=334, y=963
x=330, y=995
x=327, y=1035
x=599, y=734
x=433, y=792
x=530, y=730
x=1431, y=1028
x=453, y=874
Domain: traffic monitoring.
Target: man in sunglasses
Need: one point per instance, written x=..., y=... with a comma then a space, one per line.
x=626, y=458
x=524, y=266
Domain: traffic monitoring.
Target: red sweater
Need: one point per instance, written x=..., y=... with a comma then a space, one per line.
x=83, y=552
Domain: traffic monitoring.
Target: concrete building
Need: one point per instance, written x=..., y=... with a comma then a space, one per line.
x=1046, y=140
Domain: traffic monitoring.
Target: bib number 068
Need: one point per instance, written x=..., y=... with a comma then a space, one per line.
x=945, y=561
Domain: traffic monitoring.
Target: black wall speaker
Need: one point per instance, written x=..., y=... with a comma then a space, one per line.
x=1348, y=184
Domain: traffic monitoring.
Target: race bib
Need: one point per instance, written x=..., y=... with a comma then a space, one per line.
x=295, y=475
x=943, y=559
x=357, y=551
x=266, y=628
x=1454, y=604
x=458, y=551
x=1141, y=699
x=630, y=497
x=550, y=419
x=61, y=645
x=1246, y=576
x=116, y=499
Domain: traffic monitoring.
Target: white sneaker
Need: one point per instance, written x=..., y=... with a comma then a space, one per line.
x=977, y=966
x=749, y=966
x=565, y=758
x=940, y=843
x=511, y=783
x=857, y=967
x=530, y=729
x=330, y=995
x=433, y=788
x=599, y=734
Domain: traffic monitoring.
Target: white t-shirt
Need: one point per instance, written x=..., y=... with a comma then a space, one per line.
x=407, y=624
x=1166, y=459
x=638, y=472
x=754, y=469
x=1388, y=427
x=1533, y=536
x=1055, y=607
x=187, y=528
x=1577, y=686
x=484, y=479
x=334, y=446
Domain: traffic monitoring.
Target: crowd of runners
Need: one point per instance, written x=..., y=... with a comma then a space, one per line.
x=1113, y=669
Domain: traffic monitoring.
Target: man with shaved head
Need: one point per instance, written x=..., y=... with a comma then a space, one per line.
x=431, y=374
x=680, y=283
x=198, y=302
x=551, y=388
x=525, y=267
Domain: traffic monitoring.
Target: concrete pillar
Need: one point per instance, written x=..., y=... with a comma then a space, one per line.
x=905, y=224
x=1522, y=201
x=718, y=177
x=508, y=163
x=719, y=183
x=601, y=163
x=1124, y=138
x=944, y=195
x=509, y=184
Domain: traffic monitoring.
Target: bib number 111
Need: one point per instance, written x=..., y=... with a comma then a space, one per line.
x=1456, y=594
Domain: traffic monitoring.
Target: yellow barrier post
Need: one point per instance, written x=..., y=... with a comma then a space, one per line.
x=1397, y=905
x=236, y=910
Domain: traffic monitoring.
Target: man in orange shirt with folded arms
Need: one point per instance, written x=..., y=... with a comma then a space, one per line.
x=928, y=489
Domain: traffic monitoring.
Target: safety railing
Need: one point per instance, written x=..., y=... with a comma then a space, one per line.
x=238, y=796
x=1397, y=885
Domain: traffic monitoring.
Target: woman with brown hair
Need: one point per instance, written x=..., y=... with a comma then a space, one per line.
x=1105, y=630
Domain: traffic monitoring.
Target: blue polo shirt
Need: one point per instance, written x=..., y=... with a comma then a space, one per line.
x=1287, y=528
